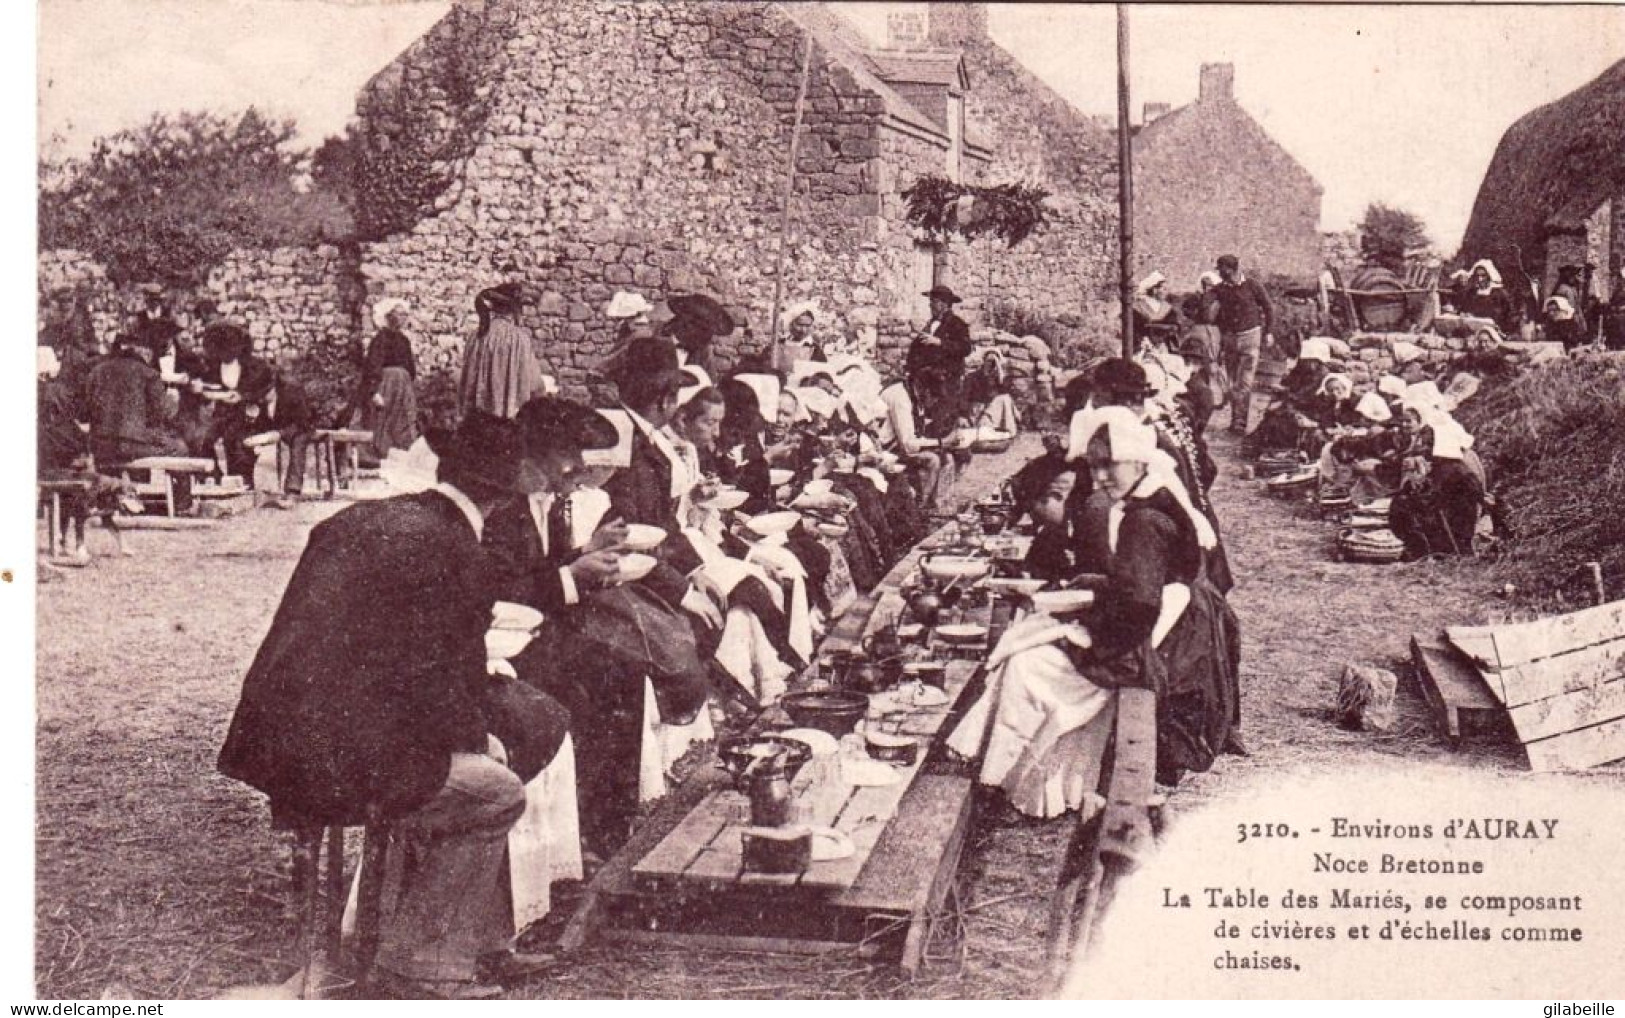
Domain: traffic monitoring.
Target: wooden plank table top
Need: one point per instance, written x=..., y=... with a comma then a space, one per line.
x=705, y=850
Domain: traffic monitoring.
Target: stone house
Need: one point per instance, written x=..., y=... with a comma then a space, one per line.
x=1208, y=181
x=585, y=146
x=1554, y=193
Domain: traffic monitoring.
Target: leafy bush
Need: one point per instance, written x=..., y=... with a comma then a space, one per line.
x=944, y=209
x=167, y=200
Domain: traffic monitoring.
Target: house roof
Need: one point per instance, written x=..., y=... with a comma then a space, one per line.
x=1553, y=168
x=838, y=38
x=1170, y=123
x=921, y=66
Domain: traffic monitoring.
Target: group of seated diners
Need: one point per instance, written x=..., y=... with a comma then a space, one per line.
x=1120, y=508
x=563, y=605
x=1397, y=444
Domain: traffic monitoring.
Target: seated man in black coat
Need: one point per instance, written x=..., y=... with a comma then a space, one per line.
x=369, y=695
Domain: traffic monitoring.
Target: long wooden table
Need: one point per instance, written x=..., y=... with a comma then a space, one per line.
x=681, y=878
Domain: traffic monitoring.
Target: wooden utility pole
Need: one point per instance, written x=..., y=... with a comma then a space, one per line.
x=784, y=215
x=1125, y=187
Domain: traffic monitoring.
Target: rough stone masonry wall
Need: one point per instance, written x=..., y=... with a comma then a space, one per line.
x=297, y=303
x=641, y=146
x=1208, y=181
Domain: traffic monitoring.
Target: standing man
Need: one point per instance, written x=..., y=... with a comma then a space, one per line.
x=943, y=344
x=1244, y=319
x=369, y=694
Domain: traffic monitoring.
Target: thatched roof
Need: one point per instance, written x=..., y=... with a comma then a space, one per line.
x=1553, y=168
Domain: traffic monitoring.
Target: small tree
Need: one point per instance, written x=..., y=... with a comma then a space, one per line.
x=1389, y=237
x=167, y=200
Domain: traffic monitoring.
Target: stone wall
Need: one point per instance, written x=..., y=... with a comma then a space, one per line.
x=299, y=304
x=642, y=146
x=1208, y=181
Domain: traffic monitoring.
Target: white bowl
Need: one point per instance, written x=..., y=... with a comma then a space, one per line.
x=962, y=632
x=635, y=567
x=643, y=537
x=955, y=567
x=725, y=499
x=816, y=488
x=820, y=742
x=780, y=478
x=1063, y=602
x=773, y=524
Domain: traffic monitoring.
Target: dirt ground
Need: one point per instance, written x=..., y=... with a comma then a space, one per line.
x=157, y=878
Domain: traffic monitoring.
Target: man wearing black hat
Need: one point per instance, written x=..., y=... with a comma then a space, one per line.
x=127, y=407
x=944, y=342
x=369, y=694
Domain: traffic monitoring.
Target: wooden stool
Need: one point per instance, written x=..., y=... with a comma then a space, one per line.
x=321, y=935
x=327, y=442
x=162, y=470
x=53, y=507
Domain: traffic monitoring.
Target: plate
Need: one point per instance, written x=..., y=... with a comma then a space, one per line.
x=1062, y=602
x=727, y=498
x=642, y=537
x=821, y=743
x=635, y=567
x=834, y=529
x=215, y=394
x=780, y=478
x=962, y=632
x=772, y=524
x=1022, y=587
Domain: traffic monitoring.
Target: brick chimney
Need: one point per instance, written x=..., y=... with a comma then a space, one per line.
x=1153, y=112
x=952, y=25
x=1218, y=83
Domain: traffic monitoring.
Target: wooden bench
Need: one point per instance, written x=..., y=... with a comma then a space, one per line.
x=1111, y=843
x=50, y=496
x=327, y=443
x=162, y=471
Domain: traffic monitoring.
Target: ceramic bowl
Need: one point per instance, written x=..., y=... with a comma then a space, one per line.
x=771, y=524
x=635, y=567
x=642, y=537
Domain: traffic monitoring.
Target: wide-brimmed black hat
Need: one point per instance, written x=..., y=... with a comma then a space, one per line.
x=227, y=341
x=551, y=423
x=943, y=293
x=484, y=447
x=1122, y=379
x=698, y=310
x=504, y=298
x=646, y=360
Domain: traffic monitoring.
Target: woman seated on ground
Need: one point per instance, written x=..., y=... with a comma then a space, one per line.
x=987, y=396
x=1334, y=405
x=1289, y=418
x=1441, y=491
x=740, y=459
x=1157, y=624
x=1563, y=325
x=1485, y=297
x=1363, y=461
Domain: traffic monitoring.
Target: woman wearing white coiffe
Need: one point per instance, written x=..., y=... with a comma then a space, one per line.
x=1044, y=721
